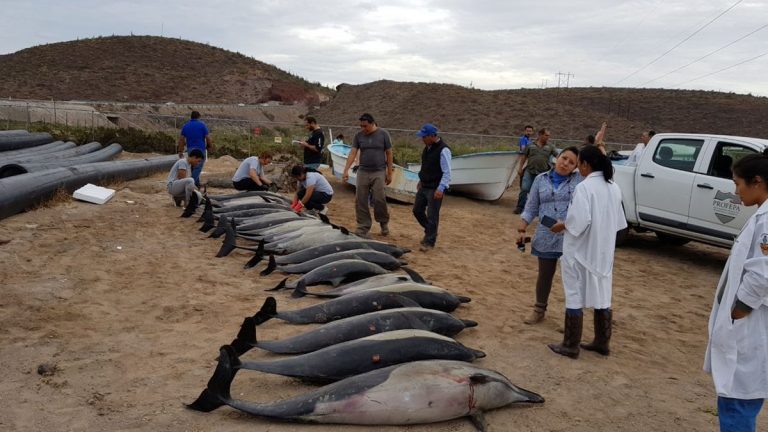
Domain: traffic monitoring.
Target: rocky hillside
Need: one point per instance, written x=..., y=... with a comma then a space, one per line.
x=148, y=69
x=569, y=113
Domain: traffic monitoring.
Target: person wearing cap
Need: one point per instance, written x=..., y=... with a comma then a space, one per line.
x=313, y=192
x=373, y=174
x=434, y=178
x=194, y=135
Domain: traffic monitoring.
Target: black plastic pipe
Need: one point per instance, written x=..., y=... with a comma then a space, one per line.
x=64, y=154
x=13, y=142
x=107, y=153
x=45, y=148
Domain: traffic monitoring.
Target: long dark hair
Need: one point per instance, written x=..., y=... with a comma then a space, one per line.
x=751, y=166
x=595, y=158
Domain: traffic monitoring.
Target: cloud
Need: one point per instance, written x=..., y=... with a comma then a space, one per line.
x=492, y=44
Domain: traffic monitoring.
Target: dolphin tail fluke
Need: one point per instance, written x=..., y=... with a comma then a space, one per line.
x=469, y=323
x=270, y=267
x=279, y=286
x=207, y=218
x=207, y=209
x=221, y=228
x=228, y=245
x=217, y=393
x=253, y=261
x=246, y=337
x=414, y=275
x=464, y=299
x=300, y=290
x=267, y=312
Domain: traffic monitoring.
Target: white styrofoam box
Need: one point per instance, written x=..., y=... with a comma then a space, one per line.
x=94, y=194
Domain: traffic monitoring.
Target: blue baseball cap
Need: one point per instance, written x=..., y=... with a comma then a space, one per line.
x=426, y=130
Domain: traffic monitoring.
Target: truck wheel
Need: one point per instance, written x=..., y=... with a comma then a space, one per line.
x=621, y=237
x=671, y=239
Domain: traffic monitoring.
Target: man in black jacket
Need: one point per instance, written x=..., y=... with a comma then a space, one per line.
x=434, y=178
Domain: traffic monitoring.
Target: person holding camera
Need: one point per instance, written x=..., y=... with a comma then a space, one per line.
x=548, y=200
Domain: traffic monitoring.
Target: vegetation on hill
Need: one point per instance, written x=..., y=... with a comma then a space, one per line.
x=148, y=69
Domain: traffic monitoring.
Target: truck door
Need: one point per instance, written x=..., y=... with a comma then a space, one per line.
x=716, y=210
x=664, y=180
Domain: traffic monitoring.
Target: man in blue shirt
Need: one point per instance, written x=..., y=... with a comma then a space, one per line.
x=434, y=178
x=525, y=138
x=194, y=135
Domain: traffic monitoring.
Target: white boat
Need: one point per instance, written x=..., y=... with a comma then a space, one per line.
x=484, y=176
x=404, y=181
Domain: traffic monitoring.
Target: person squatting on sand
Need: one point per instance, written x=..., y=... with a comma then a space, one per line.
x=314, y=191
x=434, y=179
x=181, y=185
x=250, y=174
x=374, y=172
x=594, y=217
x=550, y=197
x=737, y=352
x=194, y=135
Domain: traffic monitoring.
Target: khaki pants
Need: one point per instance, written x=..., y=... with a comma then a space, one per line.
x=370, y=182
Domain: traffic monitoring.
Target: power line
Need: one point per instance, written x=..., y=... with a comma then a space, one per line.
x=705, y=56
x=679, y=43
x=723, y=69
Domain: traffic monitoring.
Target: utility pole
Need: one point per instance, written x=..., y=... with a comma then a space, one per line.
x=568, y=79
x=564, y=78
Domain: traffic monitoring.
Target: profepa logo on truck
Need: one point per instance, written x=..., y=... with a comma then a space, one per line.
x=726, y=205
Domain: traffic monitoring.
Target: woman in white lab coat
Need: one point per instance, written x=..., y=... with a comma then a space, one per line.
x=594, y=217
x=737, y=353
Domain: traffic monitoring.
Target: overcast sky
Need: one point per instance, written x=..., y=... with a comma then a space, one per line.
x=484, y=44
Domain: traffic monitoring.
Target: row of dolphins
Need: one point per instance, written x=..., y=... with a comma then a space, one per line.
x=385, y=352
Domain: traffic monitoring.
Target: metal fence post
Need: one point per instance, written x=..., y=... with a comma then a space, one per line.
x=28, y=119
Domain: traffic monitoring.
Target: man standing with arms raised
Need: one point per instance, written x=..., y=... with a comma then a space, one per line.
x=375, y=172
x=434, y=178
x=194, y=135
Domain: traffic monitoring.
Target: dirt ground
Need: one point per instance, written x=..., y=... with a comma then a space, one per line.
x=130, y=305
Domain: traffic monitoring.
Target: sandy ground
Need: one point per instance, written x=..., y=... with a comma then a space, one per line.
x=130, y=305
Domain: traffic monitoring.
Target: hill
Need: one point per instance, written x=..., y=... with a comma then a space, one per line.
x=569, y=113
x=148, y=69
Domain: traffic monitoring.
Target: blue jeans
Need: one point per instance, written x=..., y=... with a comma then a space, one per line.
x=738, y=415
x=525, y=187
x=196, y=170
x=314, y=166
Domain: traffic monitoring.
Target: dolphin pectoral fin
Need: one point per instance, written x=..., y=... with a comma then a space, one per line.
x=279, y=286
x=300, y=290
x=267, y=312
x=406, y=302
x=414, y=275
x=217, y=393
x=336, y=281
x=270, y=267
x=478, y=420
x=246, y=337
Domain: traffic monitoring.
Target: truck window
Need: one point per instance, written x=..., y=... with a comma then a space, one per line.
x=679, y=154
x=725, y=155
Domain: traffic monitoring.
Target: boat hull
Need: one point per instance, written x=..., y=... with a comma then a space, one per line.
x=404, y=181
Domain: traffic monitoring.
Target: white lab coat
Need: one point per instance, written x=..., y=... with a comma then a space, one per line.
x=634, y=157
x=737, y=352
x=594, y=217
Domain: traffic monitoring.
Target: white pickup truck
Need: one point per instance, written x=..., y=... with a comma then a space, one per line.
x=682, y=188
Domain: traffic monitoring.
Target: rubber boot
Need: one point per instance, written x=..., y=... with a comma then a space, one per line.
x=571, y=337
x=537, y=315
x=603, y=330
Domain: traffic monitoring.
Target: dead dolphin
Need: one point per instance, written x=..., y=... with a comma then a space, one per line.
x=382, y=259
x=426, y=295
x=336, y=309
x=362, y=355
x=412, y=393
x=352, y=328
x=335, y=272
x=333, y=247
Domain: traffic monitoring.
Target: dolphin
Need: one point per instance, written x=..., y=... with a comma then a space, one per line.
x=333, y=247
x=418, y=392
x=426, y=295
x=352, y=328
x=382, y=259
x=372, y=282
x=362, y=355
x=336, y=309
x=335, y=272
